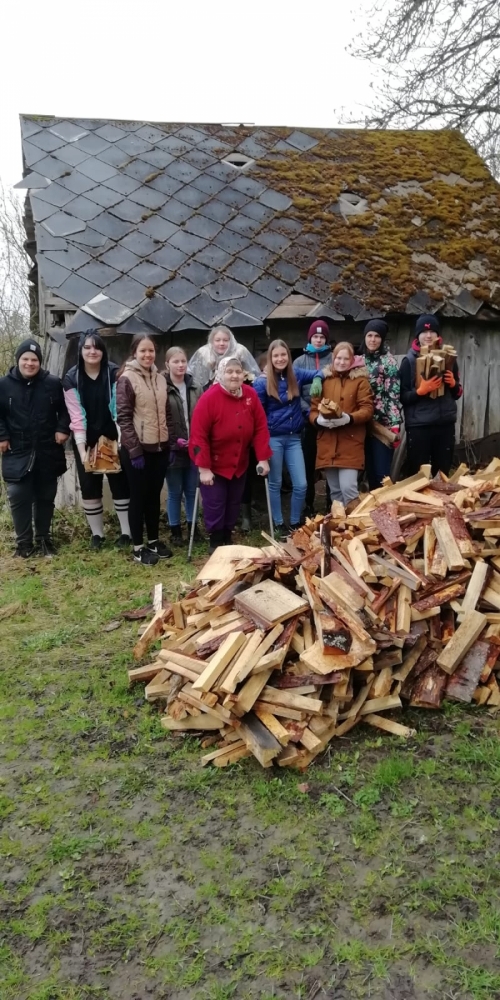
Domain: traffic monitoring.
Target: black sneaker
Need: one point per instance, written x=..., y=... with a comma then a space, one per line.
x=295, y=527
x=228, y=537
x=216, y=539
x=24, y=551
x=281, y=532
x=123, y=542
x=176, y=534
x=161, y=550
x=46, y=548
x=145, y=556
x=96, y=543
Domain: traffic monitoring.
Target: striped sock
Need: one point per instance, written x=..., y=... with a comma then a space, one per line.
x=121, y=508
x=94, y=510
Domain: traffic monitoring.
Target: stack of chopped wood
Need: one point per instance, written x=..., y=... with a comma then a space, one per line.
x=281, y=649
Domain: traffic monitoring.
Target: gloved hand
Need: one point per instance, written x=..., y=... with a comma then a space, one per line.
x=182, y=443
x=317, y=386
x=429, y=385
x=138, y=463
x=450, y=379
x=327, y=422
x=341, y=421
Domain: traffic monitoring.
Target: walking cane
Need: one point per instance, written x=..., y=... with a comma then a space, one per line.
x=260, y=472
x=193, y=525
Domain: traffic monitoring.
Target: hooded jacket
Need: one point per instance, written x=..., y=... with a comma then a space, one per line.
x=343, y=447
x=284, y=416
x=420, y=411
x=32, y=412
x=203, y=364
x=141, y=402
x=383, y=375
x=74, y=395
x=176, y=419
x=313, y=358
x=223, y=429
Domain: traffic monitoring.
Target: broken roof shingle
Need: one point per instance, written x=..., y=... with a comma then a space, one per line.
x=156, y=205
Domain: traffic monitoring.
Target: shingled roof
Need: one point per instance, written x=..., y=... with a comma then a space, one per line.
x=182, y=226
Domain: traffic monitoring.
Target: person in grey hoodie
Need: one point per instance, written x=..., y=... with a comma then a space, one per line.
x=317, y=355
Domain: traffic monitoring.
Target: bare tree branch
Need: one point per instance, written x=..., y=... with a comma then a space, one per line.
x=14, y=268
x=441, y=68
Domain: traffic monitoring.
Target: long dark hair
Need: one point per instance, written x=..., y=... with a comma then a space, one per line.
x=272, y=381
x=136, y=340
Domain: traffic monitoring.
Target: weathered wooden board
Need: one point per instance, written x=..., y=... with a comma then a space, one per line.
x=269, y=603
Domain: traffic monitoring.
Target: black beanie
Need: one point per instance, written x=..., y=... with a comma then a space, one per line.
x=28, y=345
x=427, y=322
x=376, y=326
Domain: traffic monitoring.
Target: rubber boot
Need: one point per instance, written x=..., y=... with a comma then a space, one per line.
x=246, y=518
x=176, y=534
x=216, y=539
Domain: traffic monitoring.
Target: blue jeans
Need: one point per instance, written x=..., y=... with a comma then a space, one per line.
x=287, y=447
x=181, y=481
x=378, y=459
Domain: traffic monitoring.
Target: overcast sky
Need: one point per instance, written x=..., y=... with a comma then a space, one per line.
x=268, y=62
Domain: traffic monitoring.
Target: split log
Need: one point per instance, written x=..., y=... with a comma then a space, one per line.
x=464, y=681
x=466, y=634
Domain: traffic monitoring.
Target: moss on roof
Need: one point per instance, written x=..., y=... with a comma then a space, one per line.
x=433, y=210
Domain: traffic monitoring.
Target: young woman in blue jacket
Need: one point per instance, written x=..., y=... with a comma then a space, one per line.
x=279, y=392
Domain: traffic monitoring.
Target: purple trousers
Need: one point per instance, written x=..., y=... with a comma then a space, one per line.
x=221, y=502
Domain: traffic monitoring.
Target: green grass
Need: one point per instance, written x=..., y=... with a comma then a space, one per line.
x=128, y=871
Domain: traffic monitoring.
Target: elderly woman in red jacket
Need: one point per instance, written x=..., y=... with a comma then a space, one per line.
x=227, y=422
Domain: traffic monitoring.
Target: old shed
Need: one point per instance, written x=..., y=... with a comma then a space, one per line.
x=176, y=227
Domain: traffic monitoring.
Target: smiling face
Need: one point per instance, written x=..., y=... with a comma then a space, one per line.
x=342, y=361
x=177, y=366
x=90, y=353
x=232, y=380
x=28, y=364
x=145, y=353
x=426, y=338
x=279, y=358
x=373, y=340
x=318, y=340
x=220, y=342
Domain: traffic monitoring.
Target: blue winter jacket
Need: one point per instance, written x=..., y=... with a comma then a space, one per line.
x=285, y=416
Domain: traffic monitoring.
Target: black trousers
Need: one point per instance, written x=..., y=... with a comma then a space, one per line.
x=91, y=483
x=32, y=498
x=145, y=487
x=434, y=444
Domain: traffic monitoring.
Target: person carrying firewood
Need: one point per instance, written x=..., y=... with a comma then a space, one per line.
x=429, y=404
x=341, y=417
x=383, y=431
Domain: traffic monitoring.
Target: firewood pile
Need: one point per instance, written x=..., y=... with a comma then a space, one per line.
x=278, y=650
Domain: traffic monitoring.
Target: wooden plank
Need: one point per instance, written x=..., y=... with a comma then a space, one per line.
x=442, y=596
x=385, y=518
x=271, y=723
x=410, y=660
x=245, y=655
x=291, y=700
x=158, y=597
x=341, y=591
x=201, y=721
x=219, y=661
x=191, y=663
x=394, y=492
x=389, y=726
x=159, y=686
x=381, y=704
x=269, y=603
x=250, y=692
x=448, y=545
x=264, y=746
x=403, y=614
x=324, y=663
x=221, y=563
x=359, y=558
x=382, y=683
x=223, y=752
x=309, y=740
x=283, y=711
x=475, y=586
x=466, y=634
x=152, y=632
x=463, y=683
x=146, y=673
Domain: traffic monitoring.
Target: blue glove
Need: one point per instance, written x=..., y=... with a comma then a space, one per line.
x=138, y=463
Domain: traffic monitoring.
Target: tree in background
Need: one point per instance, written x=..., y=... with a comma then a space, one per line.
x=14, y=267
x=440, y=67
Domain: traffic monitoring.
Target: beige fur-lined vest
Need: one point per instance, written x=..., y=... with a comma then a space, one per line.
x=150, y=413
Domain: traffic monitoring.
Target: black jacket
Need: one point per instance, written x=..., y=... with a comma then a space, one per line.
x=176, y=421
x=420, y=411
x=31, y=413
